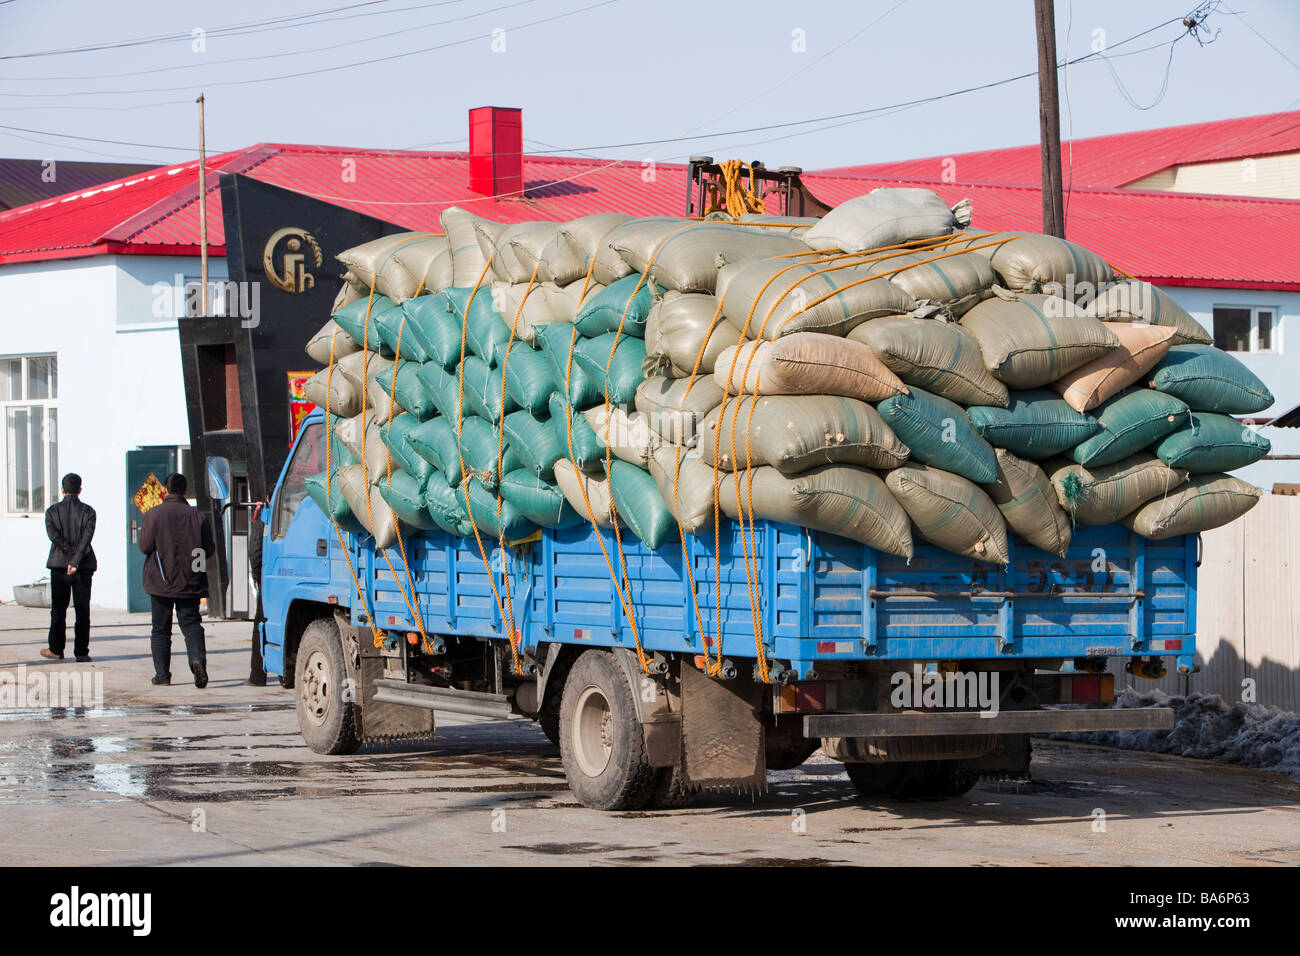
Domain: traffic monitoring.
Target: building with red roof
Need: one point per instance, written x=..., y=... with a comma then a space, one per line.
x=91, y=370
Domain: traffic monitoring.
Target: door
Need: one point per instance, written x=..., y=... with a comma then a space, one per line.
x=159, y=461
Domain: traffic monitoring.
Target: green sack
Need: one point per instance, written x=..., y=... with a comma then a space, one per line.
x=483, y=390
x=588, y=451
x=1129, y=423
x=616, y=377
x=336, y=506
x=435, y=442
x=405, y=495
x=395, y=334
x=397, y=439
x=540, y=501
x=409, y=390
x=351, y=318
x=433, y=328
x=604, y=311
x=480, y=448
x=939, y=433
x=556, y=341
x=1212, y=443
x=1210, y=380
x=1205, y=502
x=486, y=333
x=529, y=379
x=442, y=388
x=535, y=443
x=445, y=505
x=640, y=505
x=1036, y=424
x=496, y=517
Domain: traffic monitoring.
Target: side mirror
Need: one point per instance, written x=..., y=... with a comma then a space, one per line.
x=219, y=479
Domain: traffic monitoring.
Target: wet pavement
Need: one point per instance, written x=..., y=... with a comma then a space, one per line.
x=175, y=775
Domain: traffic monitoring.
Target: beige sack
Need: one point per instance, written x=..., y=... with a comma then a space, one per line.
x=951, y=511
x=1031, y=340
x=1102, y=494
x=807, y=297
x=572, y=481
x=956, y=282
x=1137, y=301
x=807, y=363
x=681, y=327
x=676, y=407
x=839, y=499
x=378, y=519
x=686, y=485
x=1140, y=348
x=567, y=257
x=940, y=357
x=467, y=259
x=630, y=437
x=793, y=433
x=1205, y=502
x=318, y=347
x=688, y=259
x=1028, y=502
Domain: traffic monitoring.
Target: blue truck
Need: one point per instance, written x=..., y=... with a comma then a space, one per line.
x=922, y=676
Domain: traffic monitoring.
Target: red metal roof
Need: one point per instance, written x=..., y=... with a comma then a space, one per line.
x=1171, y=238
x=1108, y=161
x=24, y=181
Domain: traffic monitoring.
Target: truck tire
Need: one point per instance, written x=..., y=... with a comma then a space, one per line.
x=912, y=779
x=550, y=724
x=327, y=721
x=601, y=740
x=671, y=790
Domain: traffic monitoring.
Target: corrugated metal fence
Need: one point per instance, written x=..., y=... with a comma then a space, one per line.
x=1248, y=611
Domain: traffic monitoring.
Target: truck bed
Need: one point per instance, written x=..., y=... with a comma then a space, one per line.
x=822, y=597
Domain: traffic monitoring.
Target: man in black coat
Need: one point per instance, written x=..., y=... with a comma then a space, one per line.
x=177, y=543
x=70, y=525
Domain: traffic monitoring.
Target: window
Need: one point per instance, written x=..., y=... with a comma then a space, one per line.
x=29, y=386
x=1245, y=329
x=308, y=460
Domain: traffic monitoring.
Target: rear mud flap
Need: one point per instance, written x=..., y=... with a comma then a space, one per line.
x=382, y=722
x=722, y=733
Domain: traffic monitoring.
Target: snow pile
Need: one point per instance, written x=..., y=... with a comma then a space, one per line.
x=1250, y=735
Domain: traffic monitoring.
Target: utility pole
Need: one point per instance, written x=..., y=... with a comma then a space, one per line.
x=203, y=213
x=1049, y=120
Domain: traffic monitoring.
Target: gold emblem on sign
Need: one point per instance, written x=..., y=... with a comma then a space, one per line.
x=149, y=494
x=289, y=256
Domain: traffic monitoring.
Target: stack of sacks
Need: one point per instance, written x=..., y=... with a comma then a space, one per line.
x=886, y=371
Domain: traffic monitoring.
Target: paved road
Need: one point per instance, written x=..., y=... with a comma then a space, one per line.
x=176, y=775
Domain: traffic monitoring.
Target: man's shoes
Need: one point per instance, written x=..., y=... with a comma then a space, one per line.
x=50, y=655
x=83, y=658
x=159, y=681
x=200, y=675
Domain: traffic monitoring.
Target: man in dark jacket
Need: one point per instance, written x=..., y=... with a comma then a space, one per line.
x=177, y=543
x=70, y=525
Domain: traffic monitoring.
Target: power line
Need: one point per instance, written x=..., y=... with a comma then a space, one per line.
x=325, y=69
x=1271, y=46
x=282, y=54
x=230, y=29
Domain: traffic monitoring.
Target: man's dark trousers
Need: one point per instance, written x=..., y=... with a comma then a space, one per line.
x=77, y=587
x=191, y=624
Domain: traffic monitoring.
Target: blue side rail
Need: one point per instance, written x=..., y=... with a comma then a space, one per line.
x=820, y=597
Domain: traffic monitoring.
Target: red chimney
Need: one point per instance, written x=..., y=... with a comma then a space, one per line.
x=496, y=151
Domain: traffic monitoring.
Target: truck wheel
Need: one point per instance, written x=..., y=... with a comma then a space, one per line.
x=600, y=738
x=911, y=779
x=671, y=790
x=327, y=721
x=550, y=724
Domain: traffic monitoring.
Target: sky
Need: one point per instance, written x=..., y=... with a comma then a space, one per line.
x=593, y=76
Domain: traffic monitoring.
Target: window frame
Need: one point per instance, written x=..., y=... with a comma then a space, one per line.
x=1275, y=330
x=49, y=441
x=283, y=512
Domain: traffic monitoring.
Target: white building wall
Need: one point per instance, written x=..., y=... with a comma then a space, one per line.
x=120, y=388
x=1279, y=369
